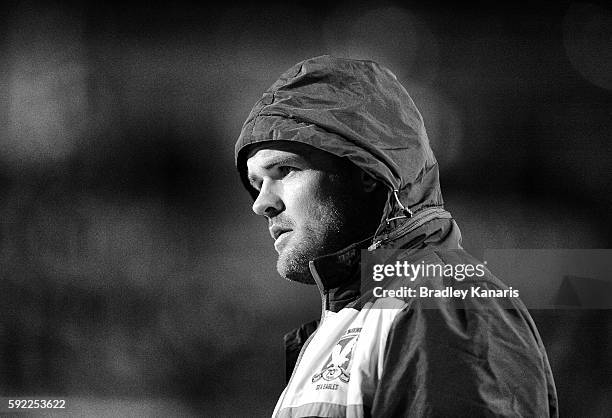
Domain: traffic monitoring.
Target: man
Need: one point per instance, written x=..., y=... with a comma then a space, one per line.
x=337, y=158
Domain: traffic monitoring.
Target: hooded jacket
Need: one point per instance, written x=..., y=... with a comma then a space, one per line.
x=480, y=357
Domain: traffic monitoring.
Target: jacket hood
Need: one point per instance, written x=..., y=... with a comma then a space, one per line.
x=355, y=109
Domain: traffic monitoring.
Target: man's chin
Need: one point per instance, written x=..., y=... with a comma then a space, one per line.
x=294, y=268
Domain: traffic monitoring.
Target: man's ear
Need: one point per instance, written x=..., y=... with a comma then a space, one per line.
x=368, y=182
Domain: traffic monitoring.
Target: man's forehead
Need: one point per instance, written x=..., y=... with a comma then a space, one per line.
x=281, y=147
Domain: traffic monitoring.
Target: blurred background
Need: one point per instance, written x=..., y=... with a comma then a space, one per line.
x=134, y=278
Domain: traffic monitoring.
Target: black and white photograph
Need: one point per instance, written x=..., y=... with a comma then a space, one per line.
x=306, y=209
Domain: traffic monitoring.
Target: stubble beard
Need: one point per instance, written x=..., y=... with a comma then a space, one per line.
x=330, y=232
x=310, y=243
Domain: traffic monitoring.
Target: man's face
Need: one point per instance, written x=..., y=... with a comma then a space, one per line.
x=310, y=199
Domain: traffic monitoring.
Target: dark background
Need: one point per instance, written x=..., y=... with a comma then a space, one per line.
x=134, y=277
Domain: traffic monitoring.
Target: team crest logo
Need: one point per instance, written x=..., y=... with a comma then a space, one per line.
x=337, y=365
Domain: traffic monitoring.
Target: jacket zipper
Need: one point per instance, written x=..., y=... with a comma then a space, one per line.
x=317, y=279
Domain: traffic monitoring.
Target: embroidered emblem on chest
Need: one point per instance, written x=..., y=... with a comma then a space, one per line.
x=338, y=363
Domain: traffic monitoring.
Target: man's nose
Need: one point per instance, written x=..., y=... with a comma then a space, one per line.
x=268, y=202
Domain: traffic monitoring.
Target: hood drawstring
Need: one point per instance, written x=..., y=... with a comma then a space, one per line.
x=406, y=213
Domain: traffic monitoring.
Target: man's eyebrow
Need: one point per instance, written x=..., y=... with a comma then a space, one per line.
x=282, y=160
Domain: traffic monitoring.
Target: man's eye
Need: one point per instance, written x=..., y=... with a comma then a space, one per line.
x=285, y=170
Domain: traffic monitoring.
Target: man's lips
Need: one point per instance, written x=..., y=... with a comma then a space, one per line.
x=277, y=231
x=281, y=239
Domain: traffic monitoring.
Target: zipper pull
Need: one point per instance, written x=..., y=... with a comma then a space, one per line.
x=375, y=245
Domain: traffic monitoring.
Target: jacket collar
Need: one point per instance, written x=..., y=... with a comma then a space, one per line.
x=338, y=275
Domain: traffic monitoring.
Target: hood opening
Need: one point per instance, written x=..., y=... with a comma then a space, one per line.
x=354, y=109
